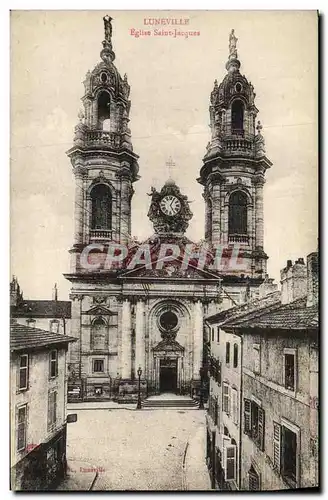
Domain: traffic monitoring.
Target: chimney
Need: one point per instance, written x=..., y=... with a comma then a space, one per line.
x=267, y=287
x=55, y=293
x=293, y=281
x=312, y=279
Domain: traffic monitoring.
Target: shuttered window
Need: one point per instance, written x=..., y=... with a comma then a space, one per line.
x=23, y=372
x=261, y=425
x=21, y=427
x=247, y=416
x=225, y=398
x=234, y=405
x=253, y=480
x=53, y=364
x=256, y=358
x=52, y=410
x=276, y=446
x=218, y=334
x=230, y=462
x=290, y=369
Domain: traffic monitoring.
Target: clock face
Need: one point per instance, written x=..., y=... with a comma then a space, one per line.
x=170, y=205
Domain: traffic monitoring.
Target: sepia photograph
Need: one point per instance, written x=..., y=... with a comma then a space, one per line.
x=164, y=255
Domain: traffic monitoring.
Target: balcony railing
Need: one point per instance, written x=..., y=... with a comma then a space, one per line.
x=101, y=234
x=103, y=138
x=239, y=238
x=238, y=144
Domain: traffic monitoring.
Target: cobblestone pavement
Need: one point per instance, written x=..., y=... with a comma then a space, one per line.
x=137, y=450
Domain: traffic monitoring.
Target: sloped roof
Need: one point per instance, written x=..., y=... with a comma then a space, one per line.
x=25, y=338
x=294, y=316
x=270, y=301
x=43, y=309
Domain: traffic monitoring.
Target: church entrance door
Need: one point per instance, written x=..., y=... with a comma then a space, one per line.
x=168, y=375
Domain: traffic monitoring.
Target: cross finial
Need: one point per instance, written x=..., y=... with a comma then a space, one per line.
x=170, y=163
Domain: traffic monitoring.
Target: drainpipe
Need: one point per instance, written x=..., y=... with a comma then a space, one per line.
x=240, y=411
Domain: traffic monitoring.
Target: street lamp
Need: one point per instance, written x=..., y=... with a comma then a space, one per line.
x=139, y=372
x=201, y=400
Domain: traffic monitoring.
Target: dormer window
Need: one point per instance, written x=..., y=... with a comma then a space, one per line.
x=237, y=117
x=238, y=87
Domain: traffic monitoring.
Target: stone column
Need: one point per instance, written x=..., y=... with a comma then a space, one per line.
x=198, y=339
x=125, y=175
x=126, y=339
x=140, y=337
x=259, y=231
x=216, y=213
x=79, y=181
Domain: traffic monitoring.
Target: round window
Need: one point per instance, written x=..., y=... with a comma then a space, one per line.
x=168, y=320
x=104, y=77
x=238, y=87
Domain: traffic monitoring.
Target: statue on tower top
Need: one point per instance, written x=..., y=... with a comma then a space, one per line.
x=108, y=27
x=107, y=53
x=233, y=45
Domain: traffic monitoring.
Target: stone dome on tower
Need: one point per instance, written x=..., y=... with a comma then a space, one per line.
x=104, y=120
x=233, y=112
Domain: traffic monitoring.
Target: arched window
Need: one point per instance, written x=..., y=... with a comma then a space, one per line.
x=238, y=213
x=237, y=117
x=98, y=335
x=104, y=111
x=101, y=207
x=235, y=355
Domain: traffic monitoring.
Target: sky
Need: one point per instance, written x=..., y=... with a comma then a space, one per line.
x=171, y=80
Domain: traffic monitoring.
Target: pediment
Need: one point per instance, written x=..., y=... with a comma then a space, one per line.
x=170, y=270
x=99, y=311
x=168, y=345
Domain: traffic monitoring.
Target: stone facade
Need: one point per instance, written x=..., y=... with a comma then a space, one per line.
x=151, y=315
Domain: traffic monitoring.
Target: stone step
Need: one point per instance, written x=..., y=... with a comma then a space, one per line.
x=170, y=403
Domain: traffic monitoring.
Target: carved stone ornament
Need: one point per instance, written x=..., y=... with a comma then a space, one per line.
x=169, y=210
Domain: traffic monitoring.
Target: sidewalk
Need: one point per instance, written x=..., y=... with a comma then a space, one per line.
x=195, y=469
x=100, y=405
x=79, y=477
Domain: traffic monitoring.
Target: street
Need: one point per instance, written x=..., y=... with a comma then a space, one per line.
x=138, y=450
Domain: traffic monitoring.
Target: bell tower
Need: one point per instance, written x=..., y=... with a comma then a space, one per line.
x=233, y=171
x=104, y=164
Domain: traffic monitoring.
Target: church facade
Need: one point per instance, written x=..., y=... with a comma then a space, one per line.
x=138, y=308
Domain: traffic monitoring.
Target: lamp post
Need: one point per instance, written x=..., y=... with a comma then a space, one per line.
x=201, y=400
x=139, y=372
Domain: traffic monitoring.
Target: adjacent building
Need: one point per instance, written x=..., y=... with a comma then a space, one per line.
x=278, y=388
x=52, y=315
x=38, y=395
x=130, y=313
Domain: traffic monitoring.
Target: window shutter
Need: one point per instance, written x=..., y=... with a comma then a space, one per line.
x=276, y=446
x=229, y=400
x=230, y=462
x=234, y=404
x=247, y=416
x=261, y=417
x=219, y=373
x=49, y=411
